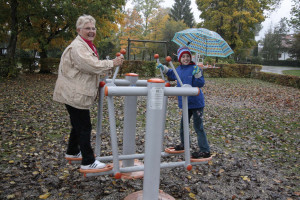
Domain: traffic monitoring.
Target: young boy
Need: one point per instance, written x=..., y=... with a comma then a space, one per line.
x=191, y=74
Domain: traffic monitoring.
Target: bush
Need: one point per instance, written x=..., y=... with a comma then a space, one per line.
x=257, y=60
x=29, y=64
x=8, y=68
x=286, y=80
x=232, y=70
x=49, y=65
x=226, y=61
x=291, y=63
x=209, y=61
x=142, y=68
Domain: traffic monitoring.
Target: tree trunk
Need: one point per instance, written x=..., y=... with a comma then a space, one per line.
x=11, y=49
x=45, y=67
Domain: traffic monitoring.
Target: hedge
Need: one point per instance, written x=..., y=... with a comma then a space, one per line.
x=49, y=64
x=286, y=80
x=29, y=64
x=8, y=68
x=291, y=63
x=146, y=69
x=142, y=68
x=232, y=70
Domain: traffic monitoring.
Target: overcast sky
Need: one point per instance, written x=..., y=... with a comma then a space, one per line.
x=282, y=11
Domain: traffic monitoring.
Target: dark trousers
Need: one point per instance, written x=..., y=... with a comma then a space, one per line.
x=199, y=129
x=80, y=136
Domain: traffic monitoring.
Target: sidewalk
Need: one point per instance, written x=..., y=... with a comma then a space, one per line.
x=277, y=70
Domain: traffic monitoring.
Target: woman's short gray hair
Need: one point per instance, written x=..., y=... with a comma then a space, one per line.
x=82, y=20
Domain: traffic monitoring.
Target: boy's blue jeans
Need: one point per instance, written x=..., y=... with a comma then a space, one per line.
x=198, y=126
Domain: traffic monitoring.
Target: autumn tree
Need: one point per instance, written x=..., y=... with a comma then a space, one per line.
x=295, y=48
x=294, y=22
x=235, y=21
x=163, y=28
x=157, y=23
x=181, y=10
x=146, y=7
x=9, y=31
x=131, y=28
x=295, y=16
x=273, y=41
x=51, y=23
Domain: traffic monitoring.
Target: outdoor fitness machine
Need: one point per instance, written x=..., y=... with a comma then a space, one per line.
x=125, y=165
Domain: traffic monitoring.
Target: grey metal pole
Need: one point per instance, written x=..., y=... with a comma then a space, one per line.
x=169, y=59
x=186, y=130
x=165, y=104
x=154, y=117
x=130, y=112
x=113, y=134
x=156, y=56
x=99, y=118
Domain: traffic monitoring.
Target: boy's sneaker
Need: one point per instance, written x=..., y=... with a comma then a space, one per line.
x=179, y=147
x=74, y=156
x=96, y=165
x=200, y=154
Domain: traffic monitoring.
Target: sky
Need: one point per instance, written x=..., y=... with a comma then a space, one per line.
x=282, y=11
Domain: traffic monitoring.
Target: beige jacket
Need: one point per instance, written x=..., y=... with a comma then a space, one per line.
x=79, y=74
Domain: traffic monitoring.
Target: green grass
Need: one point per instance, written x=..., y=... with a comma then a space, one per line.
x=291, y=72
x=53, y=136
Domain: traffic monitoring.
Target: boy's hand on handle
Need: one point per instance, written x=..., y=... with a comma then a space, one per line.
x=162, y=67
x=197, y=72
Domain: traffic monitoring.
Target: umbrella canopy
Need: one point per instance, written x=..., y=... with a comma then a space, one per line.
x=203, y=41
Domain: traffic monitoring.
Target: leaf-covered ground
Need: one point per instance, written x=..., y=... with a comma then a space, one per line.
x=252, y=126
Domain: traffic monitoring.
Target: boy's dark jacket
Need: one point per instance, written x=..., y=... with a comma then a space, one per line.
x=186, y=76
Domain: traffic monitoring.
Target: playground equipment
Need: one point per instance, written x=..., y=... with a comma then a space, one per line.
x=157, y=92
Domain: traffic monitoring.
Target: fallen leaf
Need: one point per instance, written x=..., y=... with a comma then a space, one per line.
x=188, y=189
x=297, y=193
x=11, y=196
x=192, y=195
x=245, y=178
x=277, y=181
x=35, y=172
x=44, y=196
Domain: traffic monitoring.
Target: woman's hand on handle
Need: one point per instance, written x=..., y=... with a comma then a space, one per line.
x=118, y=61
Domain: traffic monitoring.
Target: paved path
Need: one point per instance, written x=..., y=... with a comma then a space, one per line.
x=277, y=70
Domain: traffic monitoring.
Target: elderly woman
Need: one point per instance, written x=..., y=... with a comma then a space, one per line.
x=76, y=87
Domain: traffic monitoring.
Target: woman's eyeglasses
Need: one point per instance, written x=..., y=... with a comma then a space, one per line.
x=90, y=29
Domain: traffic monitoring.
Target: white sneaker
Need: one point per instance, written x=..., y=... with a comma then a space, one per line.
x=74, y=156
x=96, y=165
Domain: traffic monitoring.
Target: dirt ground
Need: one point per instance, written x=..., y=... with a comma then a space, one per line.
x=252, y=127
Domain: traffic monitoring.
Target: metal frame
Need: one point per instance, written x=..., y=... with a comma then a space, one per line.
x=157, y=94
